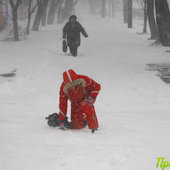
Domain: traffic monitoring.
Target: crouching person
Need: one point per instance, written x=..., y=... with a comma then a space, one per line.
x=82, y=92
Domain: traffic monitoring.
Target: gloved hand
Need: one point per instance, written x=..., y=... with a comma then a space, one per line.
x=90, y=100
x=93, y=130
x=86, y=36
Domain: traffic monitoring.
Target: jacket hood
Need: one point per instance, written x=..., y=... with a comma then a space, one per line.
x=69, y=76
x=70, y=79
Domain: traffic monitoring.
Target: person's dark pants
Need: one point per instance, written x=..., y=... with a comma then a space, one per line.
x=73, y=51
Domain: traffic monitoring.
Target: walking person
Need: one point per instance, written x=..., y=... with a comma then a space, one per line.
x=71, y=33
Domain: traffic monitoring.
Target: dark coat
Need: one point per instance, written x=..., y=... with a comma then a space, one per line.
x=71, y=31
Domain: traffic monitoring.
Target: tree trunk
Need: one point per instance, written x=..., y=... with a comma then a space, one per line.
x=38, y=18
x=151, y=20
x=145, y=17
x=40, y=14
x=15, y=18
x=44, y=18
x=15, y=24
x=29, y=18
x=163, y=21
x=6, y=13
x=125, y=11
x=30, y=12
x=59, y=13
x=111, y=8
x=1, y=16
x=129, y=13
x=103, y=11
x=1, y=13
x=68, y=8
x=52, y=11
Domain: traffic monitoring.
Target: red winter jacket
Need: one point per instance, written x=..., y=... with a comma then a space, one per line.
x=70, y=78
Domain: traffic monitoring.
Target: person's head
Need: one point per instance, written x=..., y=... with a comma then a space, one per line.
x=73, y=18
x=76, y=86
x=72, y=81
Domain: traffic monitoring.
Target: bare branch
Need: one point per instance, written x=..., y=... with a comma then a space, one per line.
x=12, y=3
x=75, y=2
x=18, y=3
x=33, y=9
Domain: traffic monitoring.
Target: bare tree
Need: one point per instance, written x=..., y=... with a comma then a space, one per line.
x=30, y=12
x=163, y=21
x=143, y=4
x=59, y=12
x=44, y=17
x=55, y=8
x=68, y=8
x=40, y=14
x=103, y=11
x=14, y=7
x=4, y=13
x=111, y=5
x=1, y=16
x=151, y=20
x=145, y=17
x=125, y=11
x=52, y=11
x=129, y=13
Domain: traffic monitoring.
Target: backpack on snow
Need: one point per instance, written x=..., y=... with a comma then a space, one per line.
x=52, y=120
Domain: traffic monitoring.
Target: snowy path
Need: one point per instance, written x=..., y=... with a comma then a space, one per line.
x=132, y=108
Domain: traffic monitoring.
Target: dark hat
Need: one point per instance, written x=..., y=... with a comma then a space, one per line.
x=73, y=16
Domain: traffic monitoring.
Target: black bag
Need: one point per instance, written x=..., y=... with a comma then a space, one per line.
x=52, y=120
x=64, y=46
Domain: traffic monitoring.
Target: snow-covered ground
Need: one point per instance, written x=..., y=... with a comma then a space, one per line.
x=133, y=106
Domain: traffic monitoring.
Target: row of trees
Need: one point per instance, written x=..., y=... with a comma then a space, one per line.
x=155, y=12
x=158, y=15
x=103, y=7
x=47, y=12
x=44, y=12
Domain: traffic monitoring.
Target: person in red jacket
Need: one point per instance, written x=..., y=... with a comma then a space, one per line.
x=82, y=92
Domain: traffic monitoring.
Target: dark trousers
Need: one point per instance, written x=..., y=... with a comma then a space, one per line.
x=73, y=51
